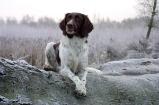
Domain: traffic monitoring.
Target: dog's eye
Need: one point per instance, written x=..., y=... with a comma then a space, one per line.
x=69, y=16
x=77, y=17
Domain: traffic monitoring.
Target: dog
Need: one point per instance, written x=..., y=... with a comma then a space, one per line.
x=69, y=57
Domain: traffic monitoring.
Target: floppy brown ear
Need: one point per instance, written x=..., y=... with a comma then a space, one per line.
x=87, y=26
x=62, y=25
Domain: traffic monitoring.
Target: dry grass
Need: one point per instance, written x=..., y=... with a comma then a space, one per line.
x=15, y=48
x=33, y=49
x=108, y=41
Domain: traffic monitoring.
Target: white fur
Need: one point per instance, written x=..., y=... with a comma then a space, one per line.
x=73, y=53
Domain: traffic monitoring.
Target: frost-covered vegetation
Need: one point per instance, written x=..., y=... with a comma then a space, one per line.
x=108, y=41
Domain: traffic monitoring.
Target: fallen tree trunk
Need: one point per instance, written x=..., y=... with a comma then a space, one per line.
x=127, y=82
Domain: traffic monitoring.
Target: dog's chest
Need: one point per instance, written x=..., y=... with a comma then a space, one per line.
x=73, y=51
x=75, y=45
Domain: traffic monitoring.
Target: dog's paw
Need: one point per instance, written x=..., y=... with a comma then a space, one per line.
x=79, y=93
x=48, y=68
x=80, y=90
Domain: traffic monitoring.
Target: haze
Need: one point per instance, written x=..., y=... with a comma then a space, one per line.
x=96, y=9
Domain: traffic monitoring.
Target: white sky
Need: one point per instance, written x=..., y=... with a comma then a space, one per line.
x=113, y=9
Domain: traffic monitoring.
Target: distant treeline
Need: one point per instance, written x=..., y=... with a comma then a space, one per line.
x=29, y=20
x=50, y=22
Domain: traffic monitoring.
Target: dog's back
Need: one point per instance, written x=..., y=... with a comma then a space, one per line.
x=52, y=60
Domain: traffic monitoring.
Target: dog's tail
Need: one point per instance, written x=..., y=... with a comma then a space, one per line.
x=93, y=70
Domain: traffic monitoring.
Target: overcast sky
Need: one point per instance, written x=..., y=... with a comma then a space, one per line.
x=112, y=9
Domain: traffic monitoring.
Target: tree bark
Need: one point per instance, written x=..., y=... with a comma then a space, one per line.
x=150, y=25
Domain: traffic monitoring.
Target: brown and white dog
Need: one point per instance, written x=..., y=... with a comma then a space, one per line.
x=70, y=56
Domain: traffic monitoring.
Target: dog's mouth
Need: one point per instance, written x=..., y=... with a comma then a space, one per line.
x=71, y=29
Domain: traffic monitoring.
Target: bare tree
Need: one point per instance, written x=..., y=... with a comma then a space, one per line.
x=28, y=20
x=46, y=21
x=11, y=20
x=149, y=9
x=2, y=21
x=150, y=25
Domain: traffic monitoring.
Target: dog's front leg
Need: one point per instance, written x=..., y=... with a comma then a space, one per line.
x=83, y=76
x=80, y=86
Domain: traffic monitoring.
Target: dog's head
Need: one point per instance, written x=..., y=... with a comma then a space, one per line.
x=76, y=24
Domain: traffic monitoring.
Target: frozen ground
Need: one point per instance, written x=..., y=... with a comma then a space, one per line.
x=126, y=82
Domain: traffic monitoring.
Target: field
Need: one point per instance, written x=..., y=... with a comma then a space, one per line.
x=108, y=41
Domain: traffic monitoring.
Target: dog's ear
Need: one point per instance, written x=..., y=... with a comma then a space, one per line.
x=87, y=26
x=62, y=24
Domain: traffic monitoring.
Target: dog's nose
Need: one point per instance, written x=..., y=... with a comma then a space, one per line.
x=70, y=26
